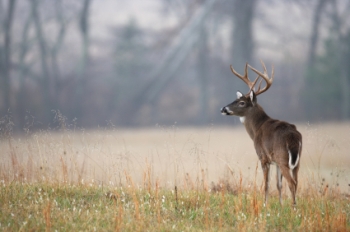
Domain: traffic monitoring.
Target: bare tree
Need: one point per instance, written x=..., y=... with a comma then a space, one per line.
x=23, y=72
x=330, y=66
x=315, y=31
x=5, y=62
x=2, y=17
x=240, y=15
x=84, y=32
x=342, y=46
x=192, y=31
x=203, y=73
x=46, y=76
x=242, y=33
x=62, y=27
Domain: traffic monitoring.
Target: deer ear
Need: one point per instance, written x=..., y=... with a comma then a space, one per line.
x=239, y=95
x=252, y=97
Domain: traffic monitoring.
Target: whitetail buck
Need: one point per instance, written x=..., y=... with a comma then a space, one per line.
x=276, y=142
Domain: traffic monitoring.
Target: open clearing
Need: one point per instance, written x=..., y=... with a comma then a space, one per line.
x=215, y=172
x=168, y=154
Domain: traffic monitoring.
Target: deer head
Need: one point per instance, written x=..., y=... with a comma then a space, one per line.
x=245, y=102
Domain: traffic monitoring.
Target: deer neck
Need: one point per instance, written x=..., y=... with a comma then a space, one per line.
x=254, y=119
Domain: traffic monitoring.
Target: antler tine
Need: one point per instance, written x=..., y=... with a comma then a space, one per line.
x=259, y=85
x=245, y=78
x=265, y=77
x=254, y=83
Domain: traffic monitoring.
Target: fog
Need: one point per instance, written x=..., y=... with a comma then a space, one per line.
x=135, y=63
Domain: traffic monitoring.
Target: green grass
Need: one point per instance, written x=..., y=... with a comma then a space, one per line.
x=40, y=206
x=125, y=181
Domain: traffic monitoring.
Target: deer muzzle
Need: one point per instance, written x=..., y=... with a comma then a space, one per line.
x=226, y=111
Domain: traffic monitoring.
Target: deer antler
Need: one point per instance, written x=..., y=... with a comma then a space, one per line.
x=265, y=76
x=245, y=78
x=250, y=83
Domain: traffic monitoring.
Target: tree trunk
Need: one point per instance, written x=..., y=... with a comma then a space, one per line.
x=56, y=49
x=84, y=32
x=46, y=77
x=342, y=46
x=315, y=32
x=242, y=36
x=21, y=98
x=6, y=59
x=203, y=74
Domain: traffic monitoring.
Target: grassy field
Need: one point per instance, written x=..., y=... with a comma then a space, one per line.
x=168, y=179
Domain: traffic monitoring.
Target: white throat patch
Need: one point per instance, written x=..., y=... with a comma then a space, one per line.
x=242, y=119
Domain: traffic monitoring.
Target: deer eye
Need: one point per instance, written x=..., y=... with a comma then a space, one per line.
x=241, y=103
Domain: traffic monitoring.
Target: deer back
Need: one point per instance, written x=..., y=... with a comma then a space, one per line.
x=275, y=140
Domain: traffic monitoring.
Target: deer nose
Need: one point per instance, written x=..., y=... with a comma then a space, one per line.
x=224, y=111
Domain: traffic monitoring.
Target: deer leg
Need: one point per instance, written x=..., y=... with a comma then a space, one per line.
x=291, y=182
x=266, y=170
x=295, y=177
x=279, y=182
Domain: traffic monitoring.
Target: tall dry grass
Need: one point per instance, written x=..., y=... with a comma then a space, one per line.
x=207, y=177
x=174, y=156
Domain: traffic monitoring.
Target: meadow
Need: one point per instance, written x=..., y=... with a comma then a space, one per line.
x=168, y=179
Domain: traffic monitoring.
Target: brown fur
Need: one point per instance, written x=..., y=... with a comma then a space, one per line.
x=273, y=141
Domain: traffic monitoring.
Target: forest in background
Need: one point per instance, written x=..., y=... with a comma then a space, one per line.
x=167, y=61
